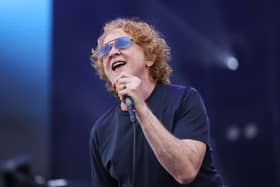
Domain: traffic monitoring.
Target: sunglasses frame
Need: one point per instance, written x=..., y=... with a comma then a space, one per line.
x=119, y=43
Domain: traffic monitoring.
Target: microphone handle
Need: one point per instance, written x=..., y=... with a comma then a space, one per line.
x=130, y=108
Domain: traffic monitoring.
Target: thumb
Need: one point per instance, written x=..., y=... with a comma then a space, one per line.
x=123, y=106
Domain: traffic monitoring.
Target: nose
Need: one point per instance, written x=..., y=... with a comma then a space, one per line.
x=114, y=51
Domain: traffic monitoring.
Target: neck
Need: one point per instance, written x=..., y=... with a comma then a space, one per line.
x=147, y=87
x=148, y=84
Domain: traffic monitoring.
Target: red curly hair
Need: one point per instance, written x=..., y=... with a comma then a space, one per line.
x=154, y=46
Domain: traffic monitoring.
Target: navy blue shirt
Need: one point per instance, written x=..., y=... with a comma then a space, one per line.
x=181, y=110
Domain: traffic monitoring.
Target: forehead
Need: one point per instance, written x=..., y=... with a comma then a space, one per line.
x=116, y=33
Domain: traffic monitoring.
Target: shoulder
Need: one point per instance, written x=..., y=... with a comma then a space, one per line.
x=184, y=98
x=179, y=89
x=173, y=97
x=191, y=102
x=179, y=92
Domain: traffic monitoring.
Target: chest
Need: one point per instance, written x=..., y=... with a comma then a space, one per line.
x=117, y=152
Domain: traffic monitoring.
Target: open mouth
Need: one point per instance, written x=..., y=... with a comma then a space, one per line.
x=117, y=64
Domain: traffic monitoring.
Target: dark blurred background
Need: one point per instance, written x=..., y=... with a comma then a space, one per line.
x=50, y=96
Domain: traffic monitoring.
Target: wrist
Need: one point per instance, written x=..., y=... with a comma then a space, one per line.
x=142, y=111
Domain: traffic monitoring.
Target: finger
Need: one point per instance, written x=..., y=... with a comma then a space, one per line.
x=123, y=93
x=121, y=86
x=122, y=76
x=121, y=97
x=124, y=81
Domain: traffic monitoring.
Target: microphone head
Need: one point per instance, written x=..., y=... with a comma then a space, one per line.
x=128, y=101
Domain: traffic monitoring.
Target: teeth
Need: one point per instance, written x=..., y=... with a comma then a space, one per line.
x=116, y=64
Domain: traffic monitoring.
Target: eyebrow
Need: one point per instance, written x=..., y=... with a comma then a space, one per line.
x=117, y=38
x=113, y=39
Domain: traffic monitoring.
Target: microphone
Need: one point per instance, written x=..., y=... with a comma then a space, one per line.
x=130, y=108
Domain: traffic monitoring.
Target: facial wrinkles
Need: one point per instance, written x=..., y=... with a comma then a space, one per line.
x=108, y=60
x=111, y=58
x=110, y=38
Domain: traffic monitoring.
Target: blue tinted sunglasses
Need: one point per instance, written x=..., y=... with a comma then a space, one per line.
x=119, y=43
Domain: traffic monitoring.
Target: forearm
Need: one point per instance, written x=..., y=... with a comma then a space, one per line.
x=175, y=155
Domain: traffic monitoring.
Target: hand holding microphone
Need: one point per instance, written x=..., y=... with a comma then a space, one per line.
x=128, y=89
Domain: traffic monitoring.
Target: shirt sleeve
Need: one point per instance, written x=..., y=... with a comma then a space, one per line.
x=100, y=177
x=191, y=119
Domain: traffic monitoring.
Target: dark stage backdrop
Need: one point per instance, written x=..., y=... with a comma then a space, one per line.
x=25, y=55
x=228, y=50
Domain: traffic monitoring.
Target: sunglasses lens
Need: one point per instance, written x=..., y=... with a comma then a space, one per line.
x=119, y=43
x=104, y=50
x=122, y=43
